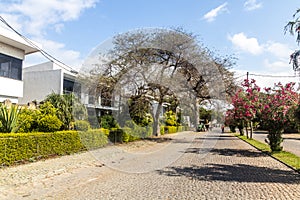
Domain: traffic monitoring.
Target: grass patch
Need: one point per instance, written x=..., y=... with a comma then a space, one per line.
x=288, y=158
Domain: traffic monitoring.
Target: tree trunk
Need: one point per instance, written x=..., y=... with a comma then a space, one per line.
x=156, y=127
x=247, y=135
x=196, y=115
x=251, y=129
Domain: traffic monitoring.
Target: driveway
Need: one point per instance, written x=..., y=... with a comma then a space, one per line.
x=186, y=165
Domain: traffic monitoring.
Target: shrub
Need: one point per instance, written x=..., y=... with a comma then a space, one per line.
x=27, y=146
x=170, y=129
x=81, y=125
x=9, y=118
x=105, y=131
x=116, y=135
x=49, y=123
x=27, y=121
x=162, y=130
x=108, y=122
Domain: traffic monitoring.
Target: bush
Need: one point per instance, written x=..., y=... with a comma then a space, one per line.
x=27, y=121
x=162, y=130
x=116, y=135
x=81, y=125
x=108, y=122
x=170, y=129
x=232, y=128
x=47, y=121
x=105, y=131
x=29, y=146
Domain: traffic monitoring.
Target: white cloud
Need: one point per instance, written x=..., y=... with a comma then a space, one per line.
x=211, y=15
x=250, y=5
x=36, y=16
x=251, y=45
x=242, y=42
x=279, y=50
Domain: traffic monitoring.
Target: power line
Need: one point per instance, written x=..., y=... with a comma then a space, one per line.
x=273, y=76
x=43, y=52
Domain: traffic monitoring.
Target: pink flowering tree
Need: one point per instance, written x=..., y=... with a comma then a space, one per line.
x=246, y=104
x=276, y=110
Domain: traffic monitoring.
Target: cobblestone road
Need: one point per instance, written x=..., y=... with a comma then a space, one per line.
x=213, y=166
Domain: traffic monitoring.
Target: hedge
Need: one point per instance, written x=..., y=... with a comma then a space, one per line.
x=17, y=147
x=126, y=134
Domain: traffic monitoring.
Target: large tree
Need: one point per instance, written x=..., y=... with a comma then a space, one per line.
x=158, y=65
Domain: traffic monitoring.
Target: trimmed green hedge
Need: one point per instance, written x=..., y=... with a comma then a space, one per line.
x=126, y=134
x=15, y=147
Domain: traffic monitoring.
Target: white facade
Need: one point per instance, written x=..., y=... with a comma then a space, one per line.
x=13, y=47
x=43, y=79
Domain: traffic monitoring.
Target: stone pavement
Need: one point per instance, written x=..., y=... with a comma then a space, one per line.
x=212, y=166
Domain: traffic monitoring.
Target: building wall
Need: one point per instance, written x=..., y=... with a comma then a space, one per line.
x=39, y=84
x=10, y=89
x=11, y=51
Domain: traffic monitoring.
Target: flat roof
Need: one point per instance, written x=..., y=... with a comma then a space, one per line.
x=12, y=39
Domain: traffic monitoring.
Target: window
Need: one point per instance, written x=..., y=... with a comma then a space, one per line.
x=70, y=86
x=10, y=67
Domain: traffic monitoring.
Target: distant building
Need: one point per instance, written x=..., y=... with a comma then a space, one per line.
x=46, y=78
x=13, y=49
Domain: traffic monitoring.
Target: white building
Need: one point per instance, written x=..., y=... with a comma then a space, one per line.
x=46, y=78
x=13, y=49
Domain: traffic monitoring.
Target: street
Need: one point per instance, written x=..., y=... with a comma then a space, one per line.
x=291, y=141
x=187, y=165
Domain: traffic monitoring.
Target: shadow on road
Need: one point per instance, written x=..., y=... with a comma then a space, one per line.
x=236, y=173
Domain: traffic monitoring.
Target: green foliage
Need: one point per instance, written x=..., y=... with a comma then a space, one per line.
x=116, y=135
x=170, y=118
x=205, y=114
x=139, y=110
x=49, y=123
x=93, y=138
x=232, y=128
x=81, y=125
x=9, y=118
x=47, y=120
x=105, y=131
x=170, y=129
x=162, y=130
x=108, y=122
x=27, y=121
x=29, y=146
x=67, y=107
x=129, y=133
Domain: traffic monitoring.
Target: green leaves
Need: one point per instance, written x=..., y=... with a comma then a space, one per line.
x=9, y=118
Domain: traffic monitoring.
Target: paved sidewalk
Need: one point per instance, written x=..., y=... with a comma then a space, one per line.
x=212, y=166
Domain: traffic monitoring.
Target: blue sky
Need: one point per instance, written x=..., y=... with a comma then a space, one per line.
x=251, y=30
